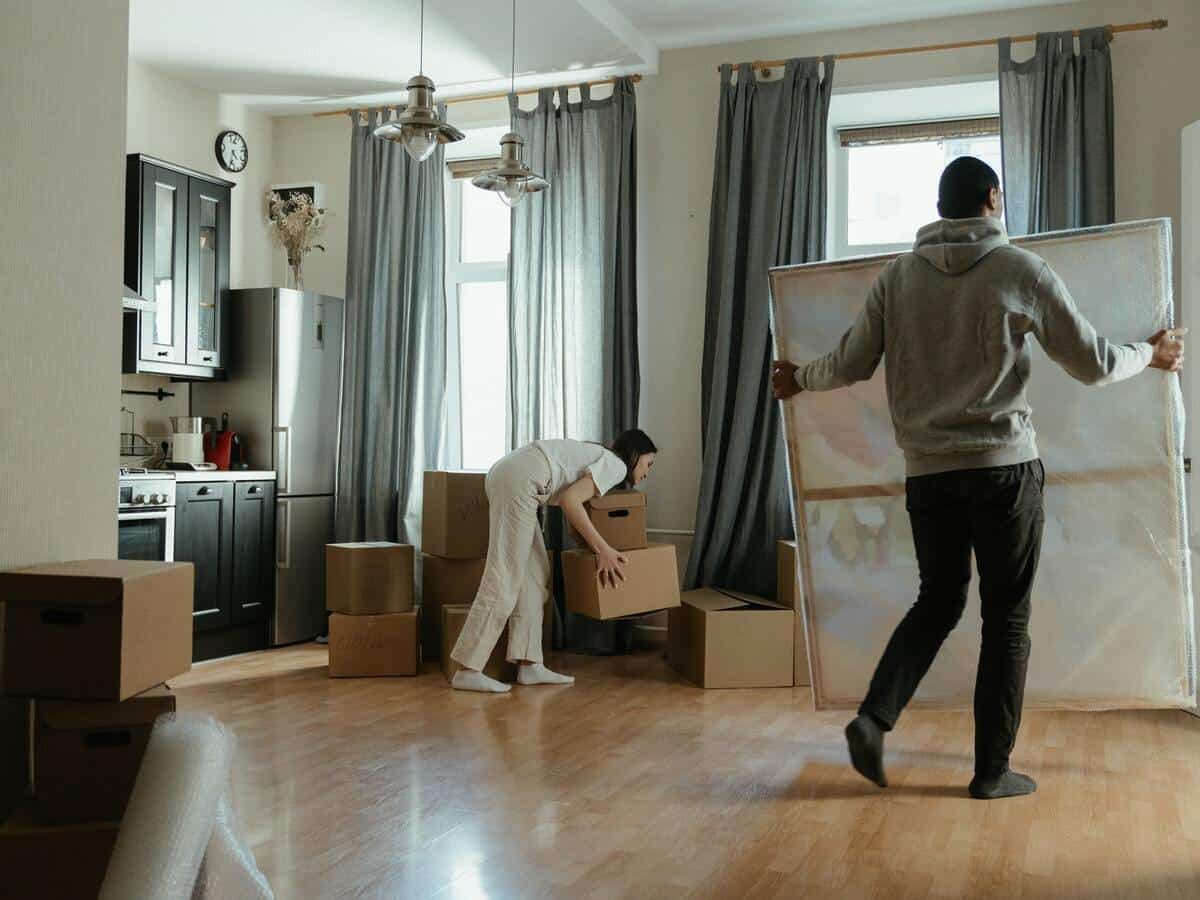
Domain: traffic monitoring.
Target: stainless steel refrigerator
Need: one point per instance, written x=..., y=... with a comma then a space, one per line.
x=283, y=396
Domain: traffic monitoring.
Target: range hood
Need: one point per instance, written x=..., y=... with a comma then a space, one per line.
x=131, y=299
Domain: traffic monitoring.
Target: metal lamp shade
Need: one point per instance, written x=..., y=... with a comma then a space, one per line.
x=511, y=179
x=418, y=127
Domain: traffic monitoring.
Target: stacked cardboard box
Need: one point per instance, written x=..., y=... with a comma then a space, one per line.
x=788, y=593
x=373, y=625
x=454, y=546
x=651, y=575
x=91, y=644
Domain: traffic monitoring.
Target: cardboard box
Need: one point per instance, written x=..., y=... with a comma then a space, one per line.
x=788, y=592
x=498, y=667
x=651, y=583
x=454, y=515
x=723, y=639
x=367, y=646
x=620, y=517
x=370, y=578
x=66, y=862
x=444, y=582
x=87, y=754
x=97, y=629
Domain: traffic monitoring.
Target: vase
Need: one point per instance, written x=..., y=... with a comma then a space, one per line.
x=295, y=267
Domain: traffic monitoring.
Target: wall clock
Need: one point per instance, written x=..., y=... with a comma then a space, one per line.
x=231, y=151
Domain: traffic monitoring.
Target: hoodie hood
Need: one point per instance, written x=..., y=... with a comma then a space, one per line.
x=955, y=245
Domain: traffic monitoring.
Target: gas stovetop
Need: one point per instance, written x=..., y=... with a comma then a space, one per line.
x=137, y=473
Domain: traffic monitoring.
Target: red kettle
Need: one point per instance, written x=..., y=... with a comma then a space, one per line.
x=218, y=445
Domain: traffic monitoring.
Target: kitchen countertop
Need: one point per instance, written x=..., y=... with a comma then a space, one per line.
x=182, y=475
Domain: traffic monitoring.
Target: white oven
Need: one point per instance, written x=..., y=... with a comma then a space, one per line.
x=146, y=515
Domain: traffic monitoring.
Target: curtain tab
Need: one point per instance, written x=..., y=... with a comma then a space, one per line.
x=726, y=74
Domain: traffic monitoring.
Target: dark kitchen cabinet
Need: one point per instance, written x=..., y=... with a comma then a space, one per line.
x=253, y=551
x=227, y=531
x=177, y=242
x=204, y=519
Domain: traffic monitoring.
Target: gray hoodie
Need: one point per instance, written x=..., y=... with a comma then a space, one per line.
x=953, y=318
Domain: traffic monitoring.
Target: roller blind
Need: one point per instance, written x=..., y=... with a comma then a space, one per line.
x=911, y=132
x=469, y=168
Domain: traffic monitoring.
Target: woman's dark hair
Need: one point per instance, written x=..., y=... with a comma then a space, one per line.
x=628, y=446
x=964, y=187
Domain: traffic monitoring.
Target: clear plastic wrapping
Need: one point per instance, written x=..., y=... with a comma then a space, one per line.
x=1112, y=606
x=179, y=838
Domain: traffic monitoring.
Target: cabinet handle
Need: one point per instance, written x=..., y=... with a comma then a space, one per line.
x=203, y=492
x=164, y=352
x=253, y=489
x=208, y=359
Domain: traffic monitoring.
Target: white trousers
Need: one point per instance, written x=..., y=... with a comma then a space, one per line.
x=516, y=577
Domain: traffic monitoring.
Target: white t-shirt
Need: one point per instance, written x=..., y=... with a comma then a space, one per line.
x=571, y=460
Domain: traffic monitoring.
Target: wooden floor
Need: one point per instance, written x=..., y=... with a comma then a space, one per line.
x=633, y=783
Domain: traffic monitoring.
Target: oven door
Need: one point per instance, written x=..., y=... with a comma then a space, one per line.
x=146, y=534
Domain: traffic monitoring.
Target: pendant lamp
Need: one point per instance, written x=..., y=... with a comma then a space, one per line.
x=511, y=179
x=418, y=127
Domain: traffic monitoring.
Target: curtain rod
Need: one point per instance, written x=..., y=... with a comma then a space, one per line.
x=498, y=95
x=1153, y=25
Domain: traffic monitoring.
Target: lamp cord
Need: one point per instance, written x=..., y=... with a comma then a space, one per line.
x=512, y=85
x=421, y=42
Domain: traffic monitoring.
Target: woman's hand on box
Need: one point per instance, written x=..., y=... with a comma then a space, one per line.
x=610, y=566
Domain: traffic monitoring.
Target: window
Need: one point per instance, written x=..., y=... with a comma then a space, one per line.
x=885, y=178
x=477, y=245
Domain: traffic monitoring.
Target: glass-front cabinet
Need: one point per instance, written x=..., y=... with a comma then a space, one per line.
x=208, y=271
x=164, y=264
x=177, y=238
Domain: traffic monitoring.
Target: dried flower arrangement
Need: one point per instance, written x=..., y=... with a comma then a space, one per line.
x=295, y=222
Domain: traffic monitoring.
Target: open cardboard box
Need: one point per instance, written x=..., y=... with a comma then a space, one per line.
x=724, y=639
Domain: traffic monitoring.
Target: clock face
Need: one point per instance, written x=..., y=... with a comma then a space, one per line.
x=231, y=151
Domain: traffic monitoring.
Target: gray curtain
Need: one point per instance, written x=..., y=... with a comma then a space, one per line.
x=573, y=364
x=395, y=369
x=768, y=208
x=573, y=347
x=1056, y=127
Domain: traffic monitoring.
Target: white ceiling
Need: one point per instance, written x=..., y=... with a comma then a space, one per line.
x=291, y=56
x=693, y=23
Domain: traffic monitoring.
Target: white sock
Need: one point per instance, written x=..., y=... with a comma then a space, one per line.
x=470, y=680
x=536, y=673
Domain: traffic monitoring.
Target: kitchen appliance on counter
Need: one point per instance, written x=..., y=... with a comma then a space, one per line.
x=145, y=514
x=283, y=389
x=223, y=448
x=187, y=444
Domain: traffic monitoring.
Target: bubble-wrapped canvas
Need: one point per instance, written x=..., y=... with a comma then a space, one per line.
x=1112, y=604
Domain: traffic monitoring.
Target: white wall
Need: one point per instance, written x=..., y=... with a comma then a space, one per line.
x=62, y=90
x=1155, y=74
x=179, y=123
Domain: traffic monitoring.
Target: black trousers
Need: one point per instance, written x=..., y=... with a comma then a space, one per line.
x=997, y=513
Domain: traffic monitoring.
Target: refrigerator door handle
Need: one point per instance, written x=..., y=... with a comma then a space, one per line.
x=283, y=532
x=283, y=456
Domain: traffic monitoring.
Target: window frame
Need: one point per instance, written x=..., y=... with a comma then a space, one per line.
x=457, y=274
x=840, y=233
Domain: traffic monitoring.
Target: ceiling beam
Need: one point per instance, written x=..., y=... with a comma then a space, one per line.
x=618, y=23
